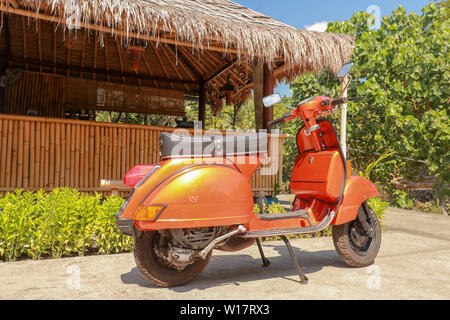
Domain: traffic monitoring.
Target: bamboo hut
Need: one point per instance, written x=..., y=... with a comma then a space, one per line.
x=58, y=57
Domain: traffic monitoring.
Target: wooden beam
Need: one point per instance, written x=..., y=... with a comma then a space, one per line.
x=54, y=46
x=4, y=60
x=188, y=67
x=147, y=65
x=68, y=61
x=219, y=72
x=224, y=69
x=249, y=84
x=119, y=52
x=155, y=51
x=202, y=104
x=95, y=52
x=75, y=68
x=105, y=41
x=25, y=56
x=14, y=4
x=138, y=79
x=201, y=69
x=174, y=67
x=258, y=94
x=283, y=68
x=86, y=25
x=40, y=42
x=83, y=52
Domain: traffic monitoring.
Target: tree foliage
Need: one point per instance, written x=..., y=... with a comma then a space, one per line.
x=402, y=70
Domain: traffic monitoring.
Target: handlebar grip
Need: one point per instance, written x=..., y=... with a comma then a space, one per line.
x=337, y=101
x=280, y=120
x=342, y=100
x=356, y=98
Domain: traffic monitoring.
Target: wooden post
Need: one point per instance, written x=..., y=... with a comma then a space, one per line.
x=2, y=99
x=268, y=90
x=4, y=58
x=202, y=104
x=258, y=94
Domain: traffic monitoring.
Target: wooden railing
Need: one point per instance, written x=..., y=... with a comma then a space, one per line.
x=45, y=153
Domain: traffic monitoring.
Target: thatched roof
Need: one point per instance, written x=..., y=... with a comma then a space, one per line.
x=203, y=22
x=218, y=38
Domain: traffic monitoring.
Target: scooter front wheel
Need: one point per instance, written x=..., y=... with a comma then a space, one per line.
x=353, y=246
x=156, y=269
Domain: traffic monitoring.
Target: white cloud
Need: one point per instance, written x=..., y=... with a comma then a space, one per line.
x=318, y=26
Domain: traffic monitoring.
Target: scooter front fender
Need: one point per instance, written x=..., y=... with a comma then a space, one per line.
x=357, y=190
x=197, y=195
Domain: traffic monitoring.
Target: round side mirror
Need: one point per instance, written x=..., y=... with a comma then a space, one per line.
x=345, y=70
x=271, y=100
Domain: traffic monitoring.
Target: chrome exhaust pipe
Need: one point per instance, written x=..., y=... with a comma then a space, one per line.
x=204, y=253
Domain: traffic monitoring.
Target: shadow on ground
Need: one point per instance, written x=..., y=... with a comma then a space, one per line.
x=233, y=269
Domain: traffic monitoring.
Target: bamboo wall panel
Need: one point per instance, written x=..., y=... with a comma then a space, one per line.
x=45, y=153
x=48, y=95
x=40, y=93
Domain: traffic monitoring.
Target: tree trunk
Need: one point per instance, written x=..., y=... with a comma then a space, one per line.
x=443, y=203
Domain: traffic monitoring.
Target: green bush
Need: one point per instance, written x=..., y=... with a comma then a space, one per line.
x=65, y=223
x=62, y=223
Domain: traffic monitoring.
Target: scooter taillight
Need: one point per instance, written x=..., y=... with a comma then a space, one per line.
x=134, y=177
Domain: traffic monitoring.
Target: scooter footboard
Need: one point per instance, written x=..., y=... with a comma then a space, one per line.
x=357, y=190
x=199, y=196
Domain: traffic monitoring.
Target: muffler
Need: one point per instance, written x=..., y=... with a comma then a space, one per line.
x=204, y=253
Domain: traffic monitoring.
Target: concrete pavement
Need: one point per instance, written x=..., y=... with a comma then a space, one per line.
x=413, y=263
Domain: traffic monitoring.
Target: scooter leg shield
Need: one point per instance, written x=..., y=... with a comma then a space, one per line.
x=357, y=190
x=200, y=196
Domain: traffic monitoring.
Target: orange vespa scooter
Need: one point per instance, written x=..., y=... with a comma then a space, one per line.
x=193, y=202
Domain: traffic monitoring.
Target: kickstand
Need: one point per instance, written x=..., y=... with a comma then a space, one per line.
x=265, y=261
x=303, y=278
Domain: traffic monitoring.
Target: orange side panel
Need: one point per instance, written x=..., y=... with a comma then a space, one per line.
x=318, y=175
x=357, y=190
x=196, y=195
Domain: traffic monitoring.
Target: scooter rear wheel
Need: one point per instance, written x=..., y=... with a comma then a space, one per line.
x=156, y=270
x=354, y=248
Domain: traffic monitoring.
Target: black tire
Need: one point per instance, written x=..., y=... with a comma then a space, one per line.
x=352, y=254
x=152, y=268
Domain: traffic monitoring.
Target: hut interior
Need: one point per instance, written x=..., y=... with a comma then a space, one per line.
x=62, y=58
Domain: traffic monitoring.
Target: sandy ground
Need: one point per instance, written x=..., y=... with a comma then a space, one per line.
x=413, y=263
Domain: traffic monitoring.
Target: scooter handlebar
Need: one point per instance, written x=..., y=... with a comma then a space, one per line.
x=342, y=100
x=280, y=120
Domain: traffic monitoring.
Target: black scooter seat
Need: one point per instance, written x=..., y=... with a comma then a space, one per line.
x=176, y=146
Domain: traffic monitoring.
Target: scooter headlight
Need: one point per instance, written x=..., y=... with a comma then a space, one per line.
x=148, y=213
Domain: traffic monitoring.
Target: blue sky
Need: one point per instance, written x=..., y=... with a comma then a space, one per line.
x=304, y=13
